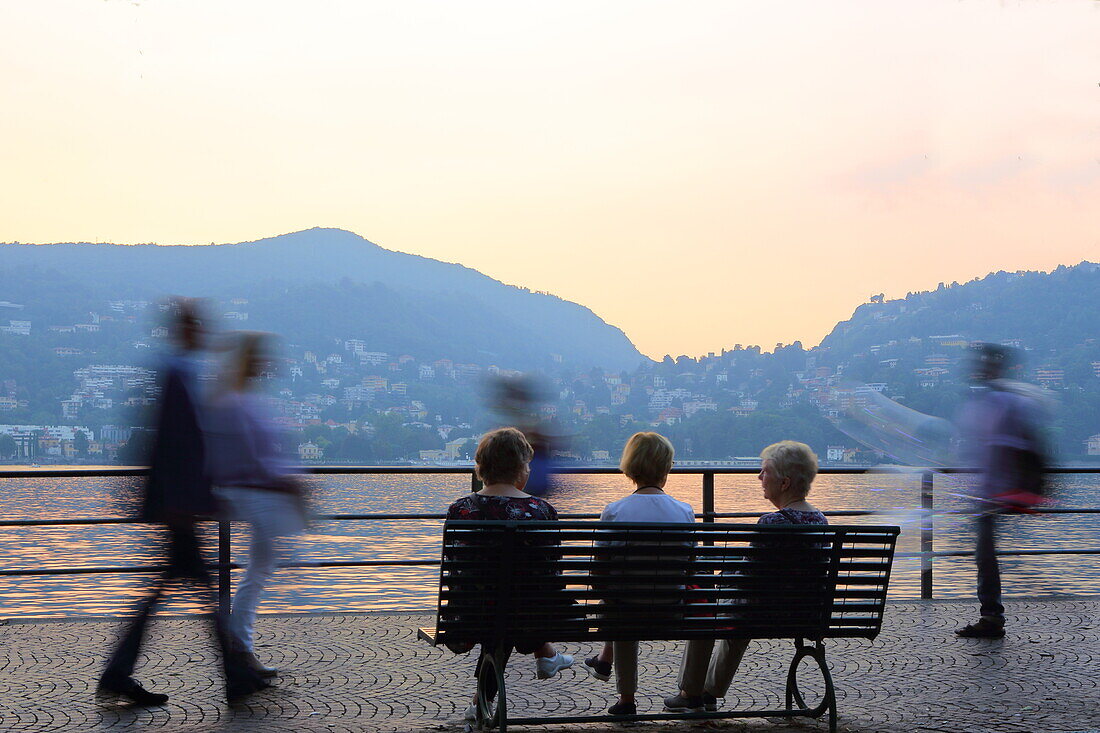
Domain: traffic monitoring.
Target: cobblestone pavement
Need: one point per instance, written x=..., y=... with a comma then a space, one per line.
x=368, y=672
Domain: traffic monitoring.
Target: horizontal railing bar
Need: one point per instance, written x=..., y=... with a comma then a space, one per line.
x=970, y=553
x=435, y=563
x=216, y=566
x=564, y=470
x=76, y=521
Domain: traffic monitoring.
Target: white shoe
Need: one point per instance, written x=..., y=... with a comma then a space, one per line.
x=471, y=713
x=547, y=667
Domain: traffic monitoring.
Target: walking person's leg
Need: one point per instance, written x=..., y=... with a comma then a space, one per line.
x=117, y=678
x=180, y=552
x=992, y=623
x=262, y=560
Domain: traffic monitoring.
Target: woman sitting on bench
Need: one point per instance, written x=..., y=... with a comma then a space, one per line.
x=647, y=460
x=502, y=459
x=787, y=470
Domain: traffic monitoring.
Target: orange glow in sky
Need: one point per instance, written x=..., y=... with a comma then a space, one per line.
x=699, y=174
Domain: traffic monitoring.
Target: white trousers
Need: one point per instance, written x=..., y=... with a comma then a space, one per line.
x=271, y=516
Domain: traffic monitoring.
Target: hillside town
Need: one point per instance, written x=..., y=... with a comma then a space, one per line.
x=348, y=401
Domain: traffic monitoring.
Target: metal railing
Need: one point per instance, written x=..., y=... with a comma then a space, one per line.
x=225, y=565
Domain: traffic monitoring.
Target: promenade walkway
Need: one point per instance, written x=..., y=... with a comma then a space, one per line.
x=367, y=672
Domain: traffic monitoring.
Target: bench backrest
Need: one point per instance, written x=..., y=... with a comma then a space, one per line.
x=572, y=581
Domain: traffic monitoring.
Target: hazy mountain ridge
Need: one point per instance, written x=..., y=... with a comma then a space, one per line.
x=443, y=309
x=1042, y=311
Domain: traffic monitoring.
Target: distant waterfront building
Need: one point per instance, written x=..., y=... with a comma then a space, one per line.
x=310, y=451
x=1092, y=445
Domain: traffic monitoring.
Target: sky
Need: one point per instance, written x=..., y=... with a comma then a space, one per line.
x=699, y=174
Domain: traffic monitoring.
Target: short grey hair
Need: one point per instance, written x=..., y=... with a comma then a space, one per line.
x=792, y=460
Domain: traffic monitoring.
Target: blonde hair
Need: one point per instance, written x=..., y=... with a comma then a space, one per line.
x=502, y=456
x=792, y=460
x=249, y=347
x=647, y=458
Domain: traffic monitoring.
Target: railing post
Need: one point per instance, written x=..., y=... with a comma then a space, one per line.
x=708, y=496
x=475, y=482
x=224, y=588
x=926, y=535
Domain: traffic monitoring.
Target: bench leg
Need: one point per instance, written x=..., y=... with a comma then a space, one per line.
x=490, y=688
x=794, y=695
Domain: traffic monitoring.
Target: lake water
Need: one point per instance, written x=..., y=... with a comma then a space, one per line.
x=895, y=496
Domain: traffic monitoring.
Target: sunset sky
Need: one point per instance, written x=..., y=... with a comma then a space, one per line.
x=699, y=174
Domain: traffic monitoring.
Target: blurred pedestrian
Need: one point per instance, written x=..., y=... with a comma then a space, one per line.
x=1000, y=429
x=253, y=481
x=177, y=494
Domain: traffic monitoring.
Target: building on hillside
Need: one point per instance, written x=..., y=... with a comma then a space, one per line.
x=373, y=357
x=670, y=415
x=17, y=328
x=1092, y=445
x=1050, y=377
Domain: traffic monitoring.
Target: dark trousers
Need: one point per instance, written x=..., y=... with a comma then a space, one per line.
x=185, y=564
x=989, y=572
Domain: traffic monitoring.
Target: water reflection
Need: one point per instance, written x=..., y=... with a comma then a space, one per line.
x=895, y=496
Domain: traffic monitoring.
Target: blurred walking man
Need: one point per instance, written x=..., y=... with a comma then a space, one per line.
x=177, y=494
x=1000, y=429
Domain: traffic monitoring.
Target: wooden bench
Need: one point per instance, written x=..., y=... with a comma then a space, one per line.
x=570, y=581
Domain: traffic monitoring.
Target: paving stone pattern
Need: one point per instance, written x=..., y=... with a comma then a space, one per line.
x=368, y=672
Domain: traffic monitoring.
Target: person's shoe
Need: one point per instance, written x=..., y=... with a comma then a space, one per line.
x=684, y=704
x=599, y=669
x=623, y=708
x=985, y=628
x=250, y=660
x=127, y=688
x=471, y=713
x=710, y=702
x=240, y=689
x=547, y=667
x=240, y=682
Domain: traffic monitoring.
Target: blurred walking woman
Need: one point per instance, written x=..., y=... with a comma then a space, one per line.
x=255, y=484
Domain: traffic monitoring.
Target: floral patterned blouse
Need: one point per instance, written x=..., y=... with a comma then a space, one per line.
x=793, y=516
x=477, y=506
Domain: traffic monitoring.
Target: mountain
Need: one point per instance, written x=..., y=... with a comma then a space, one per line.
x=1042, y=311
x=322, y=285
